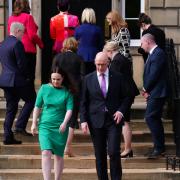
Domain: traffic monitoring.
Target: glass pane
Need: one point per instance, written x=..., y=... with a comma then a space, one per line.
x=134, y=29
x=132, y=8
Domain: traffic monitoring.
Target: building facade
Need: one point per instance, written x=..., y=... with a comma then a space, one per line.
x=164, y=13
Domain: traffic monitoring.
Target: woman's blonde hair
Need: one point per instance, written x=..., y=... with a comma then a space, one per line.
x=111, y=46
x=70, y=44
x=88, y=16
x=117, y=22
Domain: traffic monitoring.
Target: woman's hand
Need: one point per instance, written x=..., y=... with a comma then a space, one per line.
x=84, y=127
x=34, y=129
x=62, y=127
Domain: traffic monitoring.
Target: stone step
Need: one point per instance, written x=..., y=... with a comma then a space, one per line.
x=79, y=149
x=80, y=162
x=90, y=174
x=136, y=124
x=137, y=136
x=138, y=108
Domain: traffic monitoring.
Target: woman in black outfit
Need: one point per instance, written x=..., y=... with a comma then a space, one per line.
x=146, y=25
x=121, y=64
x=73, y=64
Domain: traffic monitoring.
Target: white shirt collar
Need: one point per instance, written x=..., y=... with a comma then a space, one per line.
x=151, y=51
x=106, y=73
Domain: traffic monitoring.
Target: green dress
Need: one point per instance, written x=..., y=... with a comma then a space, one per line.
x=54, y=103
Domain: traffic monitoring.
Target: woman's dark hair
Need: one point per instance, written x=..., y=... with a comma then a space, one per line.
x=63, y=5
x=144, y=18
x=21, y=6
x=66, y=80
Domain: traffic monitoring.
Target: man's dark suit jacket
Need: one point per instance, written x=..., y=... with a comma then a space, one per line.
x=155, y=74
x=159, y=36
x=12, y=58
x=93, y=102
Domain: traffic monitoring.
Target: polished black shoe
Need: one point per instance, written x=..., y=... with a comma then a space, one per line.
x=129, y=154
x=11, y=141
x=156, y=154
x=23, y=132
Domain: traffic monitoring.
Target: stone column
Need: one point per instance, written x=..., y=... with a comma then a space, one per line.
x=36, y=12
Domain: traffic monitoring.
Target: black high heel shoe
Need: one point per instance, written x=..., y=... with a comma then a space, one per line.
x=129, y=154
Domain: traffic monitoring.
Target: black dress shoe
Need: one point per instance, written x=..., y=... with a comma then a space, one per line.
x=23, y=132
x=129, y=154
x=11, y=141
x=156, y=154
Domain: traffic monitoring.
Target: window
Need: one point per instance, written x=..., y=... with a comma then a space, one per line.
x=130, y=12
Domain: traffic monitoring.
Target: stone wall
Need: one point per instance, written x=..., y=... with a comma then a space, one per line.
x=2, y=20
x=166, y=14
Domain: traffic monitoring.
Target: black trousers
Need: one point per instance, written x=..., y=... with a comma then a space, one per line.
x=31, y=63
x=107, y=140
x=13, y=95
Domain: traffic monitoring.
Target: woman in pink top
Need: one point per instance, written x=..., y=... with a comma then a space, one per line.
x=62, y=25
x=21, y=13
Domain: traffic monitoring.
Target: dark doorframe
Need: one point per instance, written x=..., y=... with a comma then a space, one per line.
x=101, y=7
x=48, y=10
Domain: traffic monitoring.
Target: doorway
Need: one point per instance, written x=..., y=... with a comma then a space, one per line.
x=49, y=9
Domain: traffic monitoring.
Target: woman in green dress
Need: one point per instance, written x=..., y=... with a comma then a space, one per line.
x=53, y=108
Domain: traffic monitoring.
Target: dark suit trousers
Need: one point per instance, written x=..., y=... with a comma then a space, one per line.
x=107, y=138
x=31, y=64
x=13, y=95
x=153, y=118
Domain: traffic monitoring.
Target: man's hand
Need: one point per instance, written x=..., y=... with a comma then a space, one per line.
x=145, y=94
x=117, y=117
x=84, y=127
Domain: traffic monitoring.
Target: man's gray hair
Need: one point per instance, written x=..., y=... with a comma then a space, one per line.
x=149, y=37
x=16, y=26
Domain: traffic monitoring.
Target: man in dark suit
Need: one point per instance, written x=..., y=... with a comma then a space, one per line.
x=146, y=25
x=104, y=102
x=15, y=83
x=155, y=91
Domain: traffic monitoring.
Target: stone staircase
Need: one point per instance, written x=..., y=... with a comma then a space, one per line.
x=23, y=162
